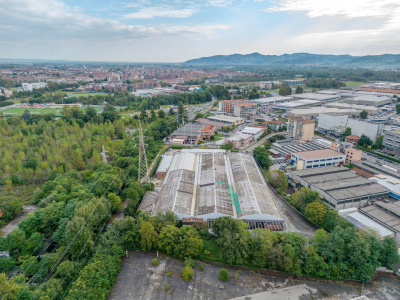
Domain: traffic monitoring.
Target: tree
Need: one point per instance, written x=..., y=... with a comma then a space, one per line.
x=8, y=289
x=300, y=199
x=26, y=115
x=181, y=111
x=285, y=90
x=389, y=255
x=365, y=141
x=171, y=112
x=261, y=155
x=233, y=239
x=148, y=236
x=299, y=90
x=262, y=244
x=316, y=212
x=115, y=201
x=110, y=113
x=161, y=114
x=223, y=274
x=363, y=114
x=227, y=146
x=398, y=108
x=278, y=180
x=347, y=132
x=379, y=142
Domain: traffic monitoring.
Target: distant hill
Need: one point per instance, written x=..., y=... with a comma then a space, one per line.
x=296, y=59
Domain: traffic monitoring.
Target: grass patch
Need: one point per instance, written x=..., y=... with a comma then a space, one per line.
x=354, y=83
x=70, y=95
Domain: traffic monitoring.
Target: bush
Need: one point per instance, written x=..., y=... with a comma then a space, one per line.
x=155, y=262
x=201, y=268
x=167, y=287
x=223, y=274
x=187, y=273
x=189, y=262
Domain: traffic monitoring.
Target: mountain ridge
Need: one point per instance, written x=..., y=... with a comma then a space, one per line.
x=301, y=58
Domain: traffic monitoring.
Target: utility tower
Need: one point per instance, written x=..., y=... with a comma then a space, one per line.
x=143, y=168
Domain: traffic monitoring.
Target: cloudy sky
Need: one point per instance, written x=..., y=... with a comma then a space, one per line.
x=177, y=30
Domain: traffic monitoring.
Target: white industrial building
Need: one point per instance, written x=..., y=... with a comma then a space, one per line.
x=371, y=110
x=315, y=96
x=317, y=158
x=332, y=121
x=313, y=112
x=253, y=131
x=359, y=128
x=29, y=87
x=295, y=104
x=371, y=100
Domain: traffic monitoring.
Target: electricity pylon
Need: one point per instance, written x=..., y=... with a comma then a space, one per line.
x=143, y=168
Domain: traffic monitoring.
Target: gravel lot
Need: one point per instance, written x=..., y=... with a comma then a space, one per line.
x=140, y=280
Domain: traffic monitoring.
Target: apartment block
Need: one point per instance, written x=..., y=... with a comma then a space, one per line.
x=301, y=129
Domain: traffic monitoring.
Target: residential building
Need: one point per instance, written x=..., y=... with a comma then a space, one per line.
x=245, y=110
x=391, y=142
x=317, y=158
x=207, y=132
x=339, y=187
x=226, y=106
x=273, y=125
x=360, y=127
x=353, y=139
x=352, y=155
x=332, y=123
x=301, y=129
x=239, y=139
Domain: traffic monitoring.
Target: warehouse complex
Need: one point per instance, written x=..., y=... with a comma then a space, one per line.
x=338, y=186
x=204, y=185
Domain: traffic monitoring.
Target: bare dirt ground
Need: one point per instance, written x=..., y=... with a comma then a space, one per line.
x=140, y=280
x=14, y=223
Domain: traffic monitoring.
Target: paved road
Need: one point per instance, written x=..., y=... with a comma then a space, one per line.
x=294, y=221
x=152, y=164
x=260, y=142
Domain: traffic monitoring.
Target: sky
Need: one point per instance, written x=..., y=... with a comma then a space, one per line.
x=178, y=30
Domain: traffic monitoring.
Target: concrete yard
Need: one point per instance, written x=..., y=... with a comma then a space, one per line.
x=140, y=280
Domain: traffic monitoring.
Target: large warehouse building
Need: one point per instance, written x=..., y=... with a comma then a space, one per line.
x=338, y=186
x=209, y=184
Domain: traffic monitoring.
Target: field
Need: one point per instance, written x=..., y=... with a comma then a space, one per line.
x=87, y=94
x=43, y=111
x=354, y=83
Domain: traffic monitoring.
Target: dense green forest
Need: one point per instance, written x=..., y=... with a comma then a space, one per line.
x=58, y=162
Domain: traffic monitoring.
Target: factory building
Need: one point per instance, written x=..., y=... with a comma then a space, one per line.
x=371, y=100
x=207, y=184
x=332, y=122
x=227, y=120
x=317, y=158
x=339, y=187
x=359, y=128
x=245, y=110
x=391, y=142
x=316, y=96
x=296, y=104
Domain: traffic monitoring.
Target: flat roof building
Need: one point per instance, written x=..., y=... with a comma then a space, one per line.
x=164, y=166
x=386, y=214
x=371, y=100
x=209, y=185
x=317, y=96
x=338, y=186
x=296, y=104
x=227, y=120
x=317, y=158
x=314, y=112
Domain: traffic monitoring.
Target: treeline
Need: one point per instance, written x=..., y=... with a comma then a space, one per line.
x=142, y=103
x=325, y=83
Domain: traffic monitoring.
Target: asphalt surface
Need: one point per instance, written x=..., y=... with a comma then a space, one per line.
x=294, y=221
x=140, y=280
